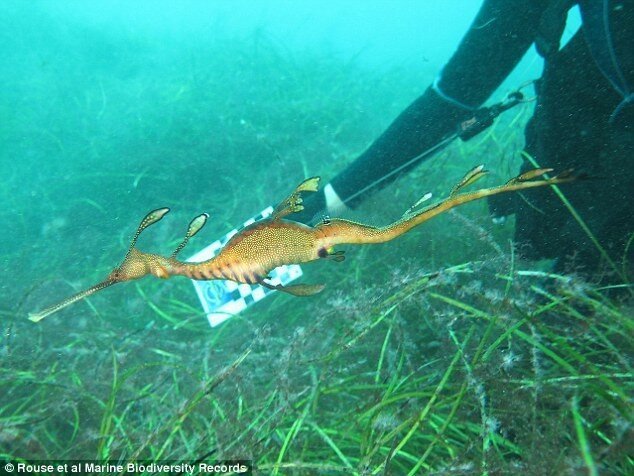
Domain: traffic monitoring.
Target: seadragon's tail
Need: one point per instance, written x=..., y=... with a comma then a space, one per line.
x=338, y=231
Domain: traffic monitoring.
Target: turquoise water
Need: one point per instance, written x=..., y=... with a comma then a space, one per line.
x=442, y=353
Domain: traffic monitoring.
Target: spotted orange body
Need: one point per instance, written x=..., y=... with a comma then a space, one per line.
x=252, y=253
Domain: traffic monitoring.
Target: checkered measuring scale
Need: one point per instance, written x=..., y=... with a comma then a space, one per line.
x=222, y=299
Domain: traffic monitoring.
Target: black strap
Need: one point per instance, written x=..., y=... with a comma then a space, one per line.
x=485, y=116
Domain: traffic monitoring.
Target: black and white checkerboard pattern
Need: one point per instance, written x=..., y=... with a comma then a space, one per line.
x=223, y=299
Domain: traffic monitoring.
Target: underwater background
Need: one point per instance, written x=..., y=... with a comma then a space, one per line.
x=439, y=353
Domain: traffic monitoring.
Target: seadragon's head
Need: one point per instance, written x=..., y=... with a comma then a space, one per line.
x=136, y=264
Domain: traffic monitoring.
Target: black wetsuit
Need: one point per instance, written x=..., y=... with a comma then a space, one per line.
x=582, y=120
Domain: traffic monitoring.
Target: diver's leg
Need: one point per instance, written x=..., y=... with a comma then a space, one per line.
x=571, y=129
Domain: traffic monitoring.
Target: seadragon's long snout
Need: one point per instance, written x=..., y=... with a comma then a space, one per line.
x=136, y=264
x=38, y=316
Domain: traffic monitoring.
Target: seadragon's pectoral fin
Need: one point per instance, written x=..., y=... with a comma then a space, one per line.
x=293, y=203
x=296, y=289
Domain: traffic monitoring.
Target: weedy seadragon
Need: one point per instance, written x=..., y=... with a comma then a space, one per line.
x=252, y=253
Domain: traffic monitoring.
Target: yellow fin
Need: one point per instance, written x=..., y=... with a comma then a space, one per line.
x=472, y=176
x=424, y=198
x=529, y=175
x=194, y=227
x=196, y=224
x=309, y=185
